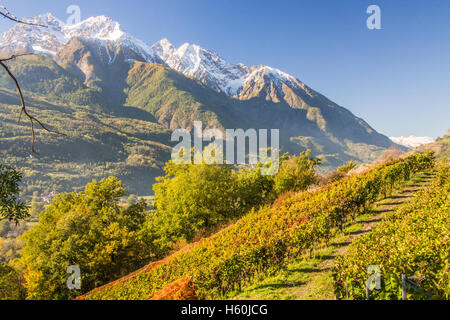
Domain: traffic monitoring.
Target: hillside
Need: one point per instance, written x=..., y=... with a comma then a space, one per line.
x=118, y=99
x=441, y=147
x=264, y=240
x=99, y=143
x=311, y=277
x=412, y=242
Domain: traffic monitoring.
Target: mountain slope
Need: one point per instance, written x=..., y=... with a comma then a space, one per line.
x=127, y=143
x=95, y=73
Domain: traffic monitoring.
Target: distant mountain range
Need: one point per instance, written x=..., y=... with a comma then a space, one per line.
x=412, y=141
x=119, y=98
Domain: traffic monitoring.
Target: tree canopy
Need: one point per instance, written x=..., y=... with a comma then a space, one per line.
x=10, y=284
x=11, y=207
x=87, y=229
x=296, y=173
x=190, y=198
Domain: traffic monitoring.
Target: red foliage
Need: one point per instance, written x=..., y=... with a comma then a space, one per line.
x=182, y=289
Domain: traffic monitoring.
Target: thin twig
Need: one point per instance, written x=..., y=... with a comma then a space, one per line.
x=6, y=14
x=14, y=79
x=16, y=56
x=24, y=108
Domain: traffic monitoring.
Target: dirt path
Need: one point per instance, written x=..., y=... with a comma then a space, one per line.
x=377, y=214
x=312, y=278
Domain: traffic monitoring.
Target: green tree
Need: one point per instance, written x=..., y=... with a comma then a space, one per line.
x=132, y=200
x=197, y=197
x=87, y=229
x=346, y=168
x=11, y=207
x=296, y=173
x=11, y=287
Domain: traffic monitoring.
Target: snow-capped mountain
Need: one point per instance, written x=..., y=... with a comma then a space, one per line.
x=47, y=41
x=191, y=60
x=96, y=63
x=412, y=141
x=203, y=65
x=214, y=71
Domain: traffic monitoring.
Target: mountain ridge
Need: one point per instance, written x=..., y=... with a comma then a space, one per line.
x=237, y=81
x=102, y=72
x=189, y=59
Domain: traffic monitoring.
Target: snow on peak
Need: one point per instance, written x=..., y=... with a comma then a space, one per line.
x=412, y=141
x=189, y=59
x=47, y=19
x=49, y=40
x=164, y=49
x=274, y=74
x=204, y=65
x=101, y=28
x=208, y=67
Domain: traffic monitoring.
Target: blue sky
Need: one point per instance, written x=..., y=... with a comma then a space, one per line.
x=397, y=78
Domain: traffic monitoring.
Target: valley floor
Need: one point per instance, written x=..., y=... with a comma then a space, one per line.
x=311, y=278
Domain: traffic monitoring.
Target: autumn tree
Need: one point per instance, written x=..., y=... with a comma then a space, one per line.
x=190, y=198
x=87, y=229
x=296, y=173
x=10, y=284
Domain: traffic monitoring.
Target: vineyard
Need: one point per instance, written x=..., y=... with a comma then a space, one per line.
x=266, y=239
x=411, y=241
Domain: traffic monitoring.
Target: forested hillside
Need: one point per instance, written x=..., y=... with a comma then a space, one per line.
x=126, y=143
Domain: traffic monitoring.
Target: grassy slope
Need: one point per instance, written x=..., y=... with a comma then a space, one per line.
x=177, y=101
x=311, y=278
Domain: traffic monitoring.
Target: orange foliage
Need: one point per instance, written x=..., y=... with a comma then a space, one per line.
x=182, y=289
x=281, y=198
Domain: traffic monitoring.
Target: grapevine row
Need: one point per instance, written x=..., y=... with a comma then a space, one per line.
x=265, y=239
x=413, y=241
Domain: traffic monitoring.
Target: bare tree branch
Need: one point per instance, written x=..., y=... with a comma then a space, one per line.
x=15, y=56
x=24, y=108
x=6, y=14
